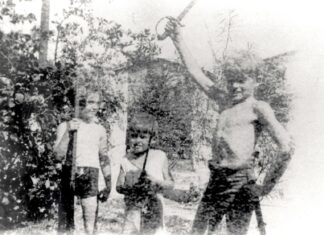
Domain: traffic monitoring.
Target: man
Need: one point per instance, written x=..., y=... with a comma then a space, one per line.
x=91, y=155
x=231, y=190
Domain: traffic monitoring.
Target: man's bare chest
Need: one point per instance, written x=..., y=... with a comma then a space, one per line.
x=237, y=117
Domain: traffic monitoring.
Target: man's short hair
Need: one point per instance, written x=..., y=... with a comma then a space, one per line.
x=241, y=64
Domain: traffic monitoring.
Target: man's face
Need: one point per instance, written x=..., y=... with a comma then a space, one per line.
x=241, y=88
x=139, y=142
x=91, y=106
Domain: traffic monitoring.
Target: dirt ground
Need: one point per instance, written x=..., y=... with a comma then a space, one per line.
x=178, y=217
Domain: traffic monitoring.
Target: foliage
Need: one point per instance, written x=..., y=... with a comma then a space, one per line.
x=92, y=52
x=272, y=86
x=165, y=96
x=17, y=57
x=34, y=100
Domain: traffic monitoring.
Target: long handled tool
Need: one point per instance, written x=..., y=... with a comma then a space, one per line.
x=66, y=204
x=259, y=218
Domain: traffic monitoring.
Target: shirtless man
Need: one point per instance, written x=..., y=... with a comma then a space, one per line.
x=232, y=190
x=91, y=155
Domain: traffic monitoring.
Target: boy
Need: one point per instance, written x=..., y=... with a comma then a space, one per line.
x=91, y=154
x=143, y=177
x=231, y=190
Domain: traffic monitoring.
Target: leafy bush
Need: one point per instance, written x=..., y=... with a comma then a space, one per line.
x=34, y=100
x=163, y=91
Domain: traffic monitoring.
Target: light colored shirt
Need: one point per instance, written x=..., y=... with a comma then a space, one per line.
x=91, y=139
x=154, y=165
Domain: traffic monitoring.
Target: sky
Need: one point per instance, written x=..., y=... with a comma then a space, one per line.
x=271, y=27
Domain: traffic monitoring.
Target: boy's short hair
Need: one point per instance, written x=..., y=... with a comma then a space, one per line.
x=241, y=64
x=84, y=94
x=143, y=123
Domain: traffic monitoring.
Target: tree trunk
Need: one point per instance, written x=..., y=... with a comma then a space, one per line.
x=44, y=32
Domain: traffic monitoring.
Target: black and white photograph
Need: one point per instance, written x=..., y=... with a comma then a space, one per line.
x=161, y=117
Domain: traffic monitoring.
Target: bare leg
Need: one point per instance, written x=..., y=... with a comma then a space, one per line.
x=201, y=220
x=90, y=211
x=132, y=222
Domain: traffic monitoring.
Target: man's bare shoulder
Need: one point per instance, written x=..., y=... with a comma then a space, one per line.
x=248, y=109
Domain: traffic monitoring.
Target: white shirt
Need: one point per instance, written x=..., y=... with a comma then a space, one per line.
x=91, y=139
x=154, y=165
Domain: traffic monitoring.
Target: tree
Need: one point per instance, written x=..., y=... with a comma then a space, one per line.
x=163, y=89
x=44, y=29
x=35, y=99
x=17, y=57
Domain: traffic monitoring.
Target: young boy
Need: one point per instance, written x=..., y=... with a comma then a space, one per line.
x=91, y=154
x=231, y=190
x=143, y=177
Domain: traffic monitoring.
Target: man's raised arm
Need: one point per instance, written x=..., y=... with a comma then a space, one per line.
x=174, y=31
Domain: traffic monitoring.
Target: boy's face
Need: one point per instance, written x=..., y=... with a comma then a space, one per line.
x=241, y=88
x=91, y=106
x=139, y=142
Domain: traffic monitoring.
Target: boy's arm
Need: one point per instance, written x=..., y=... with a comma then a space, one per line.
x=63, y=137
x=207, y=85
x=104, y=158
x=120, y=186
x=181, y=195
x=167, y=182
x=284, y=141
x=267, y=117
x=62, y=141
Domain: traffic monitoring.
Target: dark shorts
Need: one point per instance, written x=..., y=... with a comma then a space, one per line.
x=86, y=182
x=225, y=195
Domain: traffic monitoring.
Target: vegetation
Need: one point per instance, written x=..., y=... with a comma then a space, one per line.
x=34, y=98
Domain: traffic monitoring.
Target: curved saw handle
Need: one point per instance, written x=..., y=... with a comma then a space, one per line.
x=179, y=18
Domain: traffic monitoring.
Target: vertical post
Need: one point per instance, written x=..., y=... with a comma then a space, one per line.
x=66, y=205
x=44, y=29
x=76, y=115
